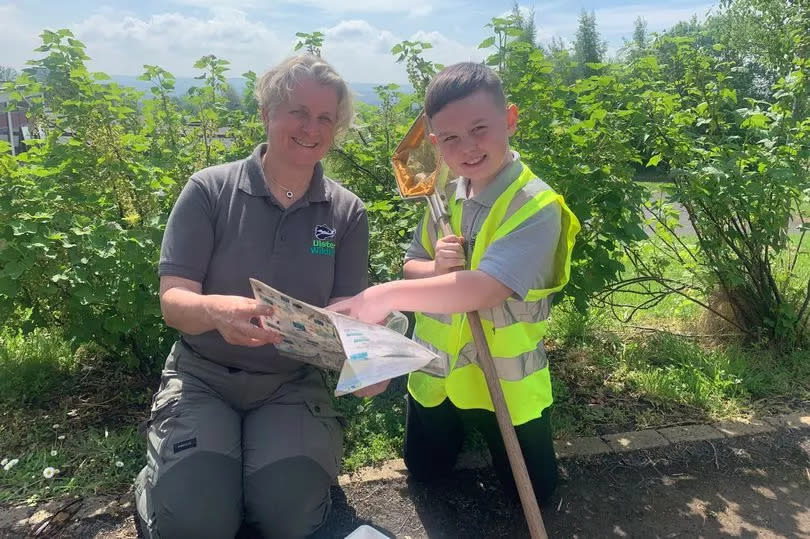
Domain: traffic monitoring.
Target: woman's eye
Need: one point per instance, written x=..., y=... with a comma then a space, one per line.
x=326, y=120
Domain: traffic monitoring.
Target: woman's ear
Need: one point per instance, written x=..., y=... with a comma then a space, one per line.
x=265, y=118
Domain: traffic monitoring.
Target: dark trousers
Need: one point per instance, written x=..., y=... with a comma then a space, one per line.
x=434, y=436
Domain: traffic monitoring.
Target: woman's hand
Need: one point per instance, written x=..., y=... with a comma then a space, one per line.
x=238, y=320
x=449, y=255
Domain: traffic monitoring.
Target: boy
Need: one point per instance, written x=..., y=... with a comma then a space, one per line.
x=515, y=235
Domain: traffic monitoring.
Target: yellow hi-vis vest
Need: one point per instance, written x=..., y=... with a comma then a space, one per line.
x=514, y=330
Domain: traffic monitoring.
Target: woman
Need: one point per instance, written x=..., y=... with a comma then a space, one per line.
x=239, y=432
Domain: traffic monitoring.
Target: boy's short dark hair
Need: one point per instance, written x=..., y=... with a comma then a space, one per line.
x=459, y=81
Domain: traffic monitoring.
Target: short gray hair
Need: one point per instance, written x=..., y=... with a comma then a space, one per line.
x=275, y=86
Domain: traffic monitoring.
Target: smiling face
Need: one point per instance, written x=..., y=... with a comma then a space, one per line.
x=301, y=129
x=472, y=135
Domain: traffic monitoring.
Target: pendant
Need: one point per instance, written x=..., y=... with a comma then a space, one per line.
x=289, y=194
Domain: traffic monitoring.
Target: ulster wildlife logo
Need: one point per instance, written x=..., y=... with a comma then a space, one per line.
x=323, y=242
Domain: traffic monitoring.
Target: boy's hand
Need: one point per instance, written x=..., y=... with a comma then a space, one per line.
x=373, y=389
x=449, y=255
x=368, y=306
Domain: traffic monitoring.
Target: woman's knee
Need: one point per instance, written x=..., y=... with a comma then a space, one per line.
x=288, y=498
x=199, y=496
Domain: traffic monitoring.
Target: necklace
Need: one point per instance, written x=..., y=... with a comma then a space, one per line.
x=288, y=192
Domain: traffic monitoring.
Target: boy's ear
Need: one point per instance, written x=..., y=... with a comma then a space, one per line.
x=433, y=139
x=511, y=118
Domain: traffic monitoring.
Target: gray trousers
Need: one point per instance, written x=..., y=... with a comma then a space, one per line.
x=227, y=446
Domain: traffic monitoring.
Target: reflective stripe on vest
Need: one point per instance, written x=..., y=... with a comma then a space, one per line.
x=514, y=330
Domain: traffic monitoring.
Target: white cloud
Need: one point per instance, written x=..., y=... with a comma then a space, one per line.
x=413, y=8
x=18, y=39
x=525, y=11
x=250, y=37
x=358, y=35
x=361, y=52
x=448, y=51
x=620, y=19
x=121, y=44
x=215, y=4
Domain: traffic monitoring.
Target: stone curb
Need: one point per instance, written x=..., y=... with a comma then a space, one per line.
x=609, y=443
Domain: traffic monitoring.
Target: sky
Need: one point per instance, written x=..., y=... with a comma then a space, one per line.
x=253, y=34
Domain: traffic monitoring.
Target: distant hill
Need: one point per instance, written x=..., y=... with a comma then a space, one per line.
x=364, y=91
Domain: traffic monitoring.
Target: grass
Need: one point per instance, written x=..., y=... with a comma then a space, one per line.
x=33, y=366
x=74, y=411
x=609, y=380
x=375, y=427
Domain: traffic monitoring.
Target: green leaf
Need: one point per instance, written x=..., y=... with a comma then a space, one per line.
x=487, y=43
x=730, y=94
x=757, y=121
x=654, y=160
x=598, y=114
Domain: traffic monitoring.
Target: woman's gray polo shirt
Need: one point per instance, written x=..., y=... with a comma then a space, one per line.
x=226, y=227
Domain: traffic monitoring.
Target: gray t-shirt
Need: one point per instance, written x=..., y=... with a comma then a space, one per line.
x=521, y=260
x=226, y=227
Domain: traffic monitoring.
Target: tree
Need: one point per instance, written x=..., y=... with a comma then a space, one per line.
x=640, y=33
x=739, y=173
x=588, y=46
x=564, y=66
x=249, y=103
x=525, y=23
x=7, y=73
x=420, y=71
x=514, y=39
x=210, y=102
x=82, y=211
x=764, y=32
x=638, y=45
x=233, y=101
